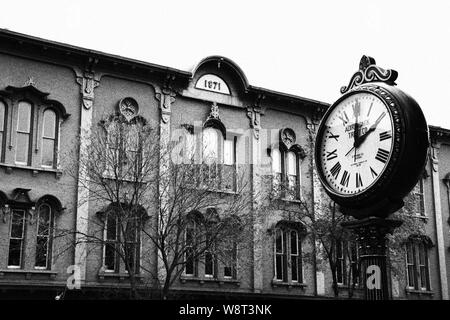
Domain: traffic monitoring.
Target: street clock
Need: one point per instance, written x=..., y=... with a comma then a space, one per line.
x=371, y=144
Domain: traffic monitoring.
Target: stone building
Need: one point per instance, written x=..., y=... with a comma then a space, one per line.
x=51, y=93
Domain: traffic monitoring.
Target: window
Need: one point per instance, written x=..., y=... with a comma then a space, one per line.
x=45, y=220
x=218, y=158
x=29, y=126
x=210, y=259
x=121, y=241
x=286, y=173
x=288, y=256
x=346, y=262
x=191, y=264
x=111, y=262
x=418, y=277
x=16, y=239
x=3, y=117
x=23, y=133
x=277, y=172
x=31, y=226
x=123, y=160
x=341, y=271
x=49, y=139
x=132, y=243
x=415, y=202
x=230, y=261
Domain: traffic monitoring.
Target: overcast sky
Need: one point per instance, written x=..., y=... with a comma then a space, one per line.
x=307, y=48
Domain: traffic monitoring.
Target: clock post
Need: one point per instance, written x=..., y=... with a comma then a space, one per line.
x=370, y=150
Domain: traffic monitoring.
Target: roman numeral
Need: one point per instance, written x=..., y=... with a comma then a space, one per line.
x=331, y=155
x=345, y=118
x=359, y=182
x=335, y=170
x=385, y=135
x=373, y=172
x=334, y=136
x=370, y=109
x=382, y=155
x=345, y=178
x=356, y=108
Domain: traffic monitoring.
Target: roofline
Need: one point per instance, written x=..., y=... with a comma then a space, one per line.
x=164, y=69
x=440, y=130
x=88, y=52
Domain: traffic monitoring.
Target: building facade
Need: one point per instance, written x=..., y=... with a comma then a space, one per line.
x=53, y=94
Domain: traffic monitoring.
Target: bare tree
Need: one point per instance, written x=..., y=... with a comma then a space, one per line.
x=186, y=210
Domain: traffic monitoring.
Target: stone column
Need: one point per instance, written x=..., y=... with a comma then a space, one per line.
x=165, y=97
x=434, y=151
x=254, y=115
x=88, y=82
x=372, y=245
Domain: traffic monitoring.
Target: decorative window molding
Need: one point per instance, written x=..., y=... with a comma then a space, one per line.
x=287, y=157
x=29, y=128
x=22, y=213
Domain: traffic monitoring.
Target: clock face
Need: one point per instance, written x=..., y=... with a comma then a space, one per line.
x=356, y=144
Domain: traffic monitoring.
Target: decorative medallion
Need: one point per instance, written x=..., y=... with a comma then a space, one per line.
x=287, y=136
x=370, y=72
x=128, y=107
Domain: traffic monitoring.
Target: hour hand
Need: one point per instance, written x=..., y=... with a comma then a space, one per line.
x=361, y=139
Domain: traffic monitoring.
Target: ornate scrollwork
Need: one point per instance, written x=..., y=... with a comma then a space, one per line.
x=370, y=72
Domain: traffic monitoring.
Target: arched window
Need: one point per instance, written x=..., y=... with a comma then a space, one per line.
x=288, y=264
x=45, y=221
x=16, y=238
x=286, y=178
x=191, y=259
x=23, y=133
x=2, y=128
x=212, y=141
x=49, y=139
x=29, y=125
x=122, y=238
x=111, y=247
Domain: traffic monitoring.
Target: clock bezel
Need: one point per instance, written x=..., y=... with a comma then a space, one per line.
x=372, y=192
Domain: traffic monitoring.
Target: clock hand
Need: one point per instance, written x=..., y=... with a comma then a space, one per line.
x=350, y=150
x=372, y=128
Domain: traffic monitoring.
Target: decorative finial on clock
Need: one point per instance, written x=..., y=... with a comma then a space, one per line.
x=370, y=72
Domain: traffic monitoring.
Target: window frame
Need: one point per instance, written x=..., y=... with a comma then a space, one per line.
x=4, y=127
x=281, y=182
x=285, y=256
x=416, y=266
x=22, y=239
x=30, y=133
x=55, y=139
x=48, y=260
x=12, y=98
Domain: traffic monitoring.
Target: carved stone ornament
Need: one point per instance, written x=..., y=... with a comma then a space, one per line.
x=165, y=118
x=88, y=83
x=287, y=136
x=214, y=113
x=370, y=72
x=128, y=107
x=30, y=82
x=254, y=114
x=4, y=212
